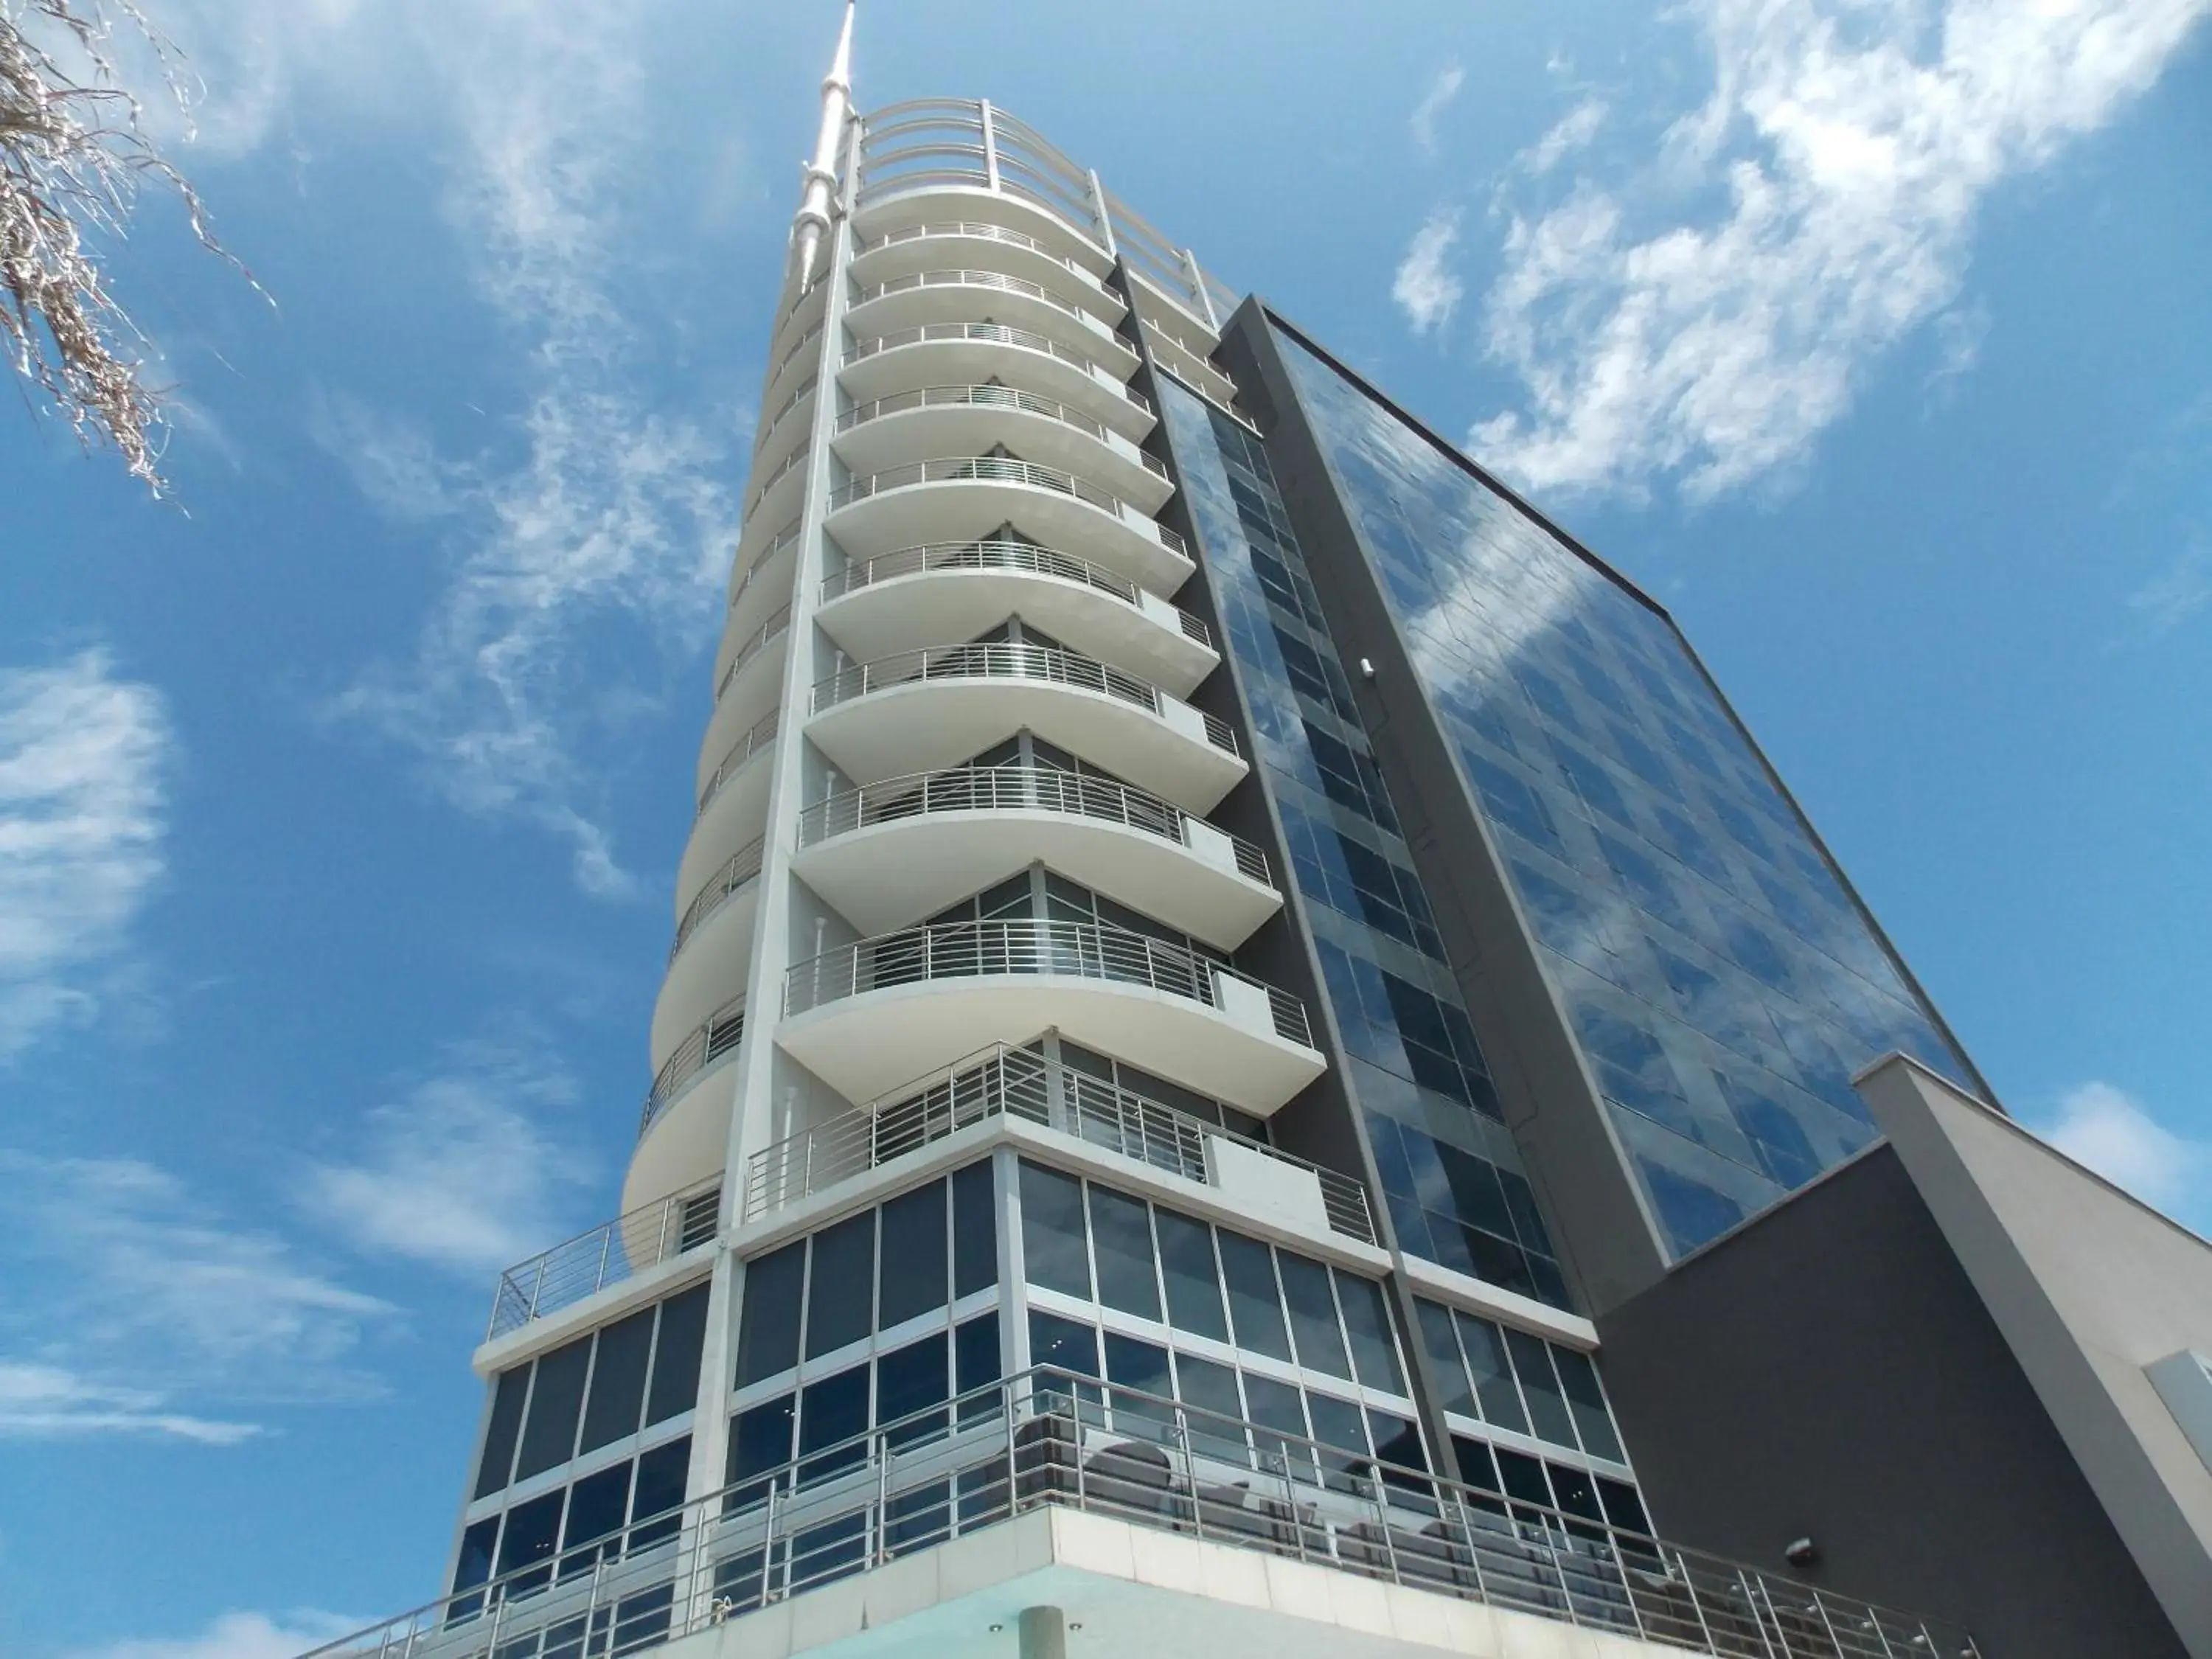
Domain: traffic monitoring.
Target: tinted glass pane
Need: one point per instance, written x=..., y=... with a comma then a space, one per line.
x=532, y=1531
x=500, y=1433
x=840, y=1287
x=1572, y=1492
x=1485, y=1347
x=1547, y=1406
x=1063, y=1345
x=1121, y=1238
x=1523, y=1477
x=659, y=1489
x=1194, y=1285
x=974, y=1230
x=618, y=1381
x=475, y=1564
x=911, y=1380
x=975, y=1363
x=1586, y=1400
x=1209, y=1391
x=597, y=1504
x=1396, y=1441
x=1623, y=1507
x=1367, y=1323
x=676, y=1356
x=1446, y=1370
x=760, y=1440
x=1476, y=1466
x=1278, y=1406
x=1054, y=1254
x=1255, y=1306
x=914, y=1255
x=1342, y=1432
x=1141, y=1369
x=1313, y=1314
x=768, y=1325
x=830, y=1413
x=550, y=1436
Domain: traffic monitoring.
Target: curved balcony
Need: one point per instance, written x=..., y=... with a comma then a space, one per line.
x=711, y=951
x=868, y=1015
x=791, y=410
x=949, y=244
x=933, y=182
x=807, y=310
x=733, y=806
x=715, y=1041
x=806, y=349
x=764, y=583
x=906, y=426
x=971, y=353
x=777, y=493
x=987, y=296
x=907, y=846
x=934, y=709
x=966, y=497
x=747, y=690
x=922, y=596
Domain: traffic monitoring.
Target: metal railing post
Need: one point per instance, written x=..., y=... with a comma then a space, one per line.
x=1752, y=1595
x=1690, y=1584
x=767, y=1541
x=1190, y=1473
x=883, y=1498
x=1382, y=1526
x=537, y=1287
x=1826, y=1623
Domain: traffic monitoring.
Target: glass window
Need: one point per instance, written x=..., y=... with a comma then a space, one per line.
x=1277, y=1405
x=1477, y=1467
x=767, y=1324
x=909, y=1382
x=1586, y=1400
x=1547, y=1406
x=1623, y=1507
x=549, y=1438
x=975, y=1360
x=1121, y=1238
x=1054, y=1254
x=1342, y=1432
x=1210, y=1390
x=1484, y=1345
x=597, y=1504
x=1194, y=1283
x=1396, y=1440
x=974, y=1230
x=1254, y=1305
x=676, y=1356
x=831, y=1413
x=1141, y=1367
x=1367, y=1322
x=474, y=1565
x=661, y=1474
x=760, y=1441
x=1313, y=1314
x=1447, y=1370
x=914, y=1255
x=1062, y=1344
x=1523, y=1477
x=532, y=1529
x=840, y=1288
x=500, y=1433
x=618, y=1381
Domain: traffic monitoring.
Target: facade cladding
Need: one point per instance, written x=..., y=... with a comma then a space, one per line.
x=1450, y=1173
x=1721, y=981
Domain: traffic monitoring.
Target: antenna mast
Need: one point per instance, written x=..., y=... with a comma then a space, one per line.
x=812, y=223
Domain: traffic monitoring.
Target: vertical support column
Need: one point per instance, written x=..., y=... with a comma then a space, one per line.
x=990, y=143
x=1098, y=211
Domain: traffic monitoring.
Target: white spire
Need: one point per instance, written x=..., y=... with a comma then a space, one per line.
x=811, y=222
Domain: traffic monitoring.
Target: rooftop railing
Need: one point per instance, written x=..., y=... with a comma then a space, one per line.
x=1028, y=944
x=611, y=1253
x=744, y=865
x=981, y=232
x=717, y=1038
x=1005, y=1081
x=1012, y=789
x=1004, y=469
x=758, y=738
x=989, y=396
x=1049, y=1438
x=998, y=333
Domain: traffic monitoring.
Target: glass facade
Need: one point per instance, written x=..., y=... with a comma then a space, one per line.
x=1721, y=982
x=1451, y=1174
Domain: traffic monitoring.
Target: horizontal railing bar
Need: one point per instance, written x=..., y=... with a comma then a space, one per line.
x=985, y=396
x=974, y=231
x=717, y=1036
x=743, y=867
x=765, y=636
x=581, y=1267
x=997, y=280
x=762, y=732
x=1001, y=469
x=998, y=333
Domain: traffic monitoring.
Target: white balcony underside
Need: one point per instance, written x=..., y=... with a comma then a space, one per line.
x=923, y=725
x=973, y=362
x=706, y=972
x=689, y=1141
x=891, y=875
x=946, y=606
x=866, y=1045
x=881, y=262
x=935, y=203
x=743, y=702
x=979, y=302
x=923, y=433
x=971, y=509
x=734, y=818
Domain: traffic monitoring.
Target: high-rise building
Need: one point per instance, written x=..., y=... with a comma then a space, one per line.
x=1253, y=1061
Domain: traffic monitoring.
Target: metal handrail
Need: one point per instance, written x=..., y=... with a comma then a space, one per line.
x=766, y=634
x=608, y=1253
x=991, y=279
x=1023, y=339
x=987, y=555
x=783, y=538
x=743, y=867
x=813, y=334
x=801, y=453
x=1005, y=1081
x=988, y=396
x=1022, y=945
x=1012, y=789
x=983, y=232
x=806, y=388
x=717, y=1038
x=1003, y=468
x=762, y=732
x=1047, y=1438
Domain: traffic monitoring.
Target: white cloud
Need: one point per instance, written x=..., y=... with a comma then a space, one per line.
x=1424, y=288
x=2178, y=591
x=134, y=1291
x=1572, y=132
x=2108, y=1129
x=460, y=1172
x=1434, y=102
x=1853, y=145
x=238, y=1636
x=82, y=753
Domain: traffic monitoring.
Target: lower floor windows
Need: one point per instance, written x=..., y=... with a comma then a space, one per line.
x=624, y=1507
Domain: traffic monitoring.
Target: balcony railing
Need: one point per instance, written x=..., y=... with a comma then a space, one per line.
x=761, y=735
x=988, y=396
x=1023, y=945
x=1003, y=468
x=756, y=643
x=983, y=232
x=791, y=463
x=805, y=389
x=783, y=538
x=1000, y=333
x=1012, y=789
x=1010, y=1082
x=611, y=1252
x=1047, y=1438
x=744, y=866
x=813, y=334
x=1026, y=557
x=990, y=279
x=718, y=1036
x=1004, y=660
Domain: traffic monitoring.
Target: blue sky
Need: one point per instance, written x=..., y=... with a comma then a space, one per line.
x=340, y=800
